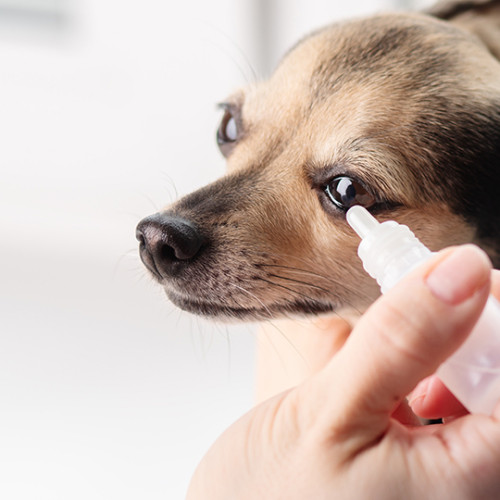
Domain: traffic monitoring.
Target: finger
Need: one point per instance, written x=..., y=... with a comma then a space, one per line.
x=404, y=414
x=431, y=399
x=495, y=283
x=401, y=339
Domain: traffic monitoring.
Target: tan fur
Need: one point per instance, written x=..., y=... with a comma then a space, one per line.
x=483, y=20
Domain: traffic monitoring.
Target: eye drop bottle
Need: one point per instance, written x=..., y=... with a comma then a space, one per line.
x=389, y=251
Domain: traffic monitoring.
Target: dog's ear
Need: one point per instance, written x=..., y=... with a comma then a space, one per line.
x=480, y=17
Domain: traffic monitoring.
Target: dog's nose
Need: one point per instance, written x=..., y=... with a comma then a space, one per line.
x=167, y=242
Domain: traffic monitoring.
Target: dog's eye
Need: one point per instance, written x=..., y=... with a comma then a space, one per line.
x=346, y=192
x=227, y=132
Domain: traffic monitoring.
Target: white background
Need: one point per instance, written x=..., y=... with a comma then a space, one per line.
x=107, y=113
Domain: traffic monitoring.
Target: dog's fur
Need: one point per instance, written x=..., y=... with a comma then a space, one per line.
x=408, y=105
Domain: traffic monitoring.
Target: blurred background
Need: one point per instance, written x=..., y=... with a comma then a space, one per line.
x=107, y=113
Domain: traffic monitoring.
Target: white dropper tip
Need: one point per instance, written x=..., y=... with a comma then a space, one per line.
x=361, y=220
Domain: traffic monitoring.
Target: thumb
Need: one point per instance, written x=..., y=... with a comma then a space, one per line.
x=402, y=338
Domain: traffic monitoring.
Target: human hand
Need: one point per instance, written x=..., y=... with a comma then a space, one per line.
x=337, y=434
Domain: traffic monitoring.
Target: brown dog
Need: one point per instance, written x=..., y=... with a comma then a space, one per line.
x=399, y=113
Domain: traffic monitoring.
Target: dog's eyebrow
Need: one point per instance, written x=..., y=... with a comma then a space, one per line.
x=231, y=105
x=234, y=102
x=224, y=105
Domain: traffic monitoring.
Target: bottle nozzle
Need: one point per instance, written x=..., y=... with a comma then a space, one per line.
x=361, y=220
x=388, y=250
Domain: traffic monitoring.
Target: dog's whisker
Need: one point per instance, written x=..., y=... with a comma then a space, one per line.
x=129, y=254
x=242, y=71
x=299, y=282
x=295, y=293
x=132, y=253
x=300, y=271
x=354, y=289
x=253, y=296
x=312, y=286
x=151, y=202
x=171, y=183
x=233, y=59
x=278, y=352
x=284, y=255
x=346, y=286
x=273, y=325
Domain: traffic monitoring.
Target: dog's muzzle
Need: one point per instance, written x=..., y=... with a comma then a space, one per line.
x=167, y=243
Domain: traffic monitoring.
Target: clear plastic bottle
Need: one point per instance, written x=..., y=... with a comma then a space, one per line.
x=389, y=251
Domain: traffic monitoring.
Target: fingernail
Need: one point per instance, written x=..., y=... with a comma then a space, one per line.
x=419, y=392
x=459, y=275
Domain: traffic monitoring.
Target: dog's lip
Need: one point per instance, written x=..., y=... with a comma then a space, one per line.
x=200, y=306
x=203, y=307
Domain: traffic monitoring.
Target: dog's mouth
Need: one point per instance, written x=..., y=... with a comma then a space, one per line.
x=220, y=310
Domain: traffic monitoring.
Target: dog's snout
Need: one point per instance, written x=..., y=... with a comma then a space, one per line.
x=167, y=242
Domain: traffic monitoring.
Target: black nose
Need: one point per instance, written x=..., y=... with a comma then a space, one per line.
x=167, y=243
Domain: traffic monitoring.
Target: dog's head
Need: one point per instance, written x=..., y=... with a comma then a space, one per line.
x=399, y=113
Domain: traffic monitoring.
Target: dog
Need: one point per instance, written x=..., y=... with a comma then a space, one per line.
x=399, y=113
